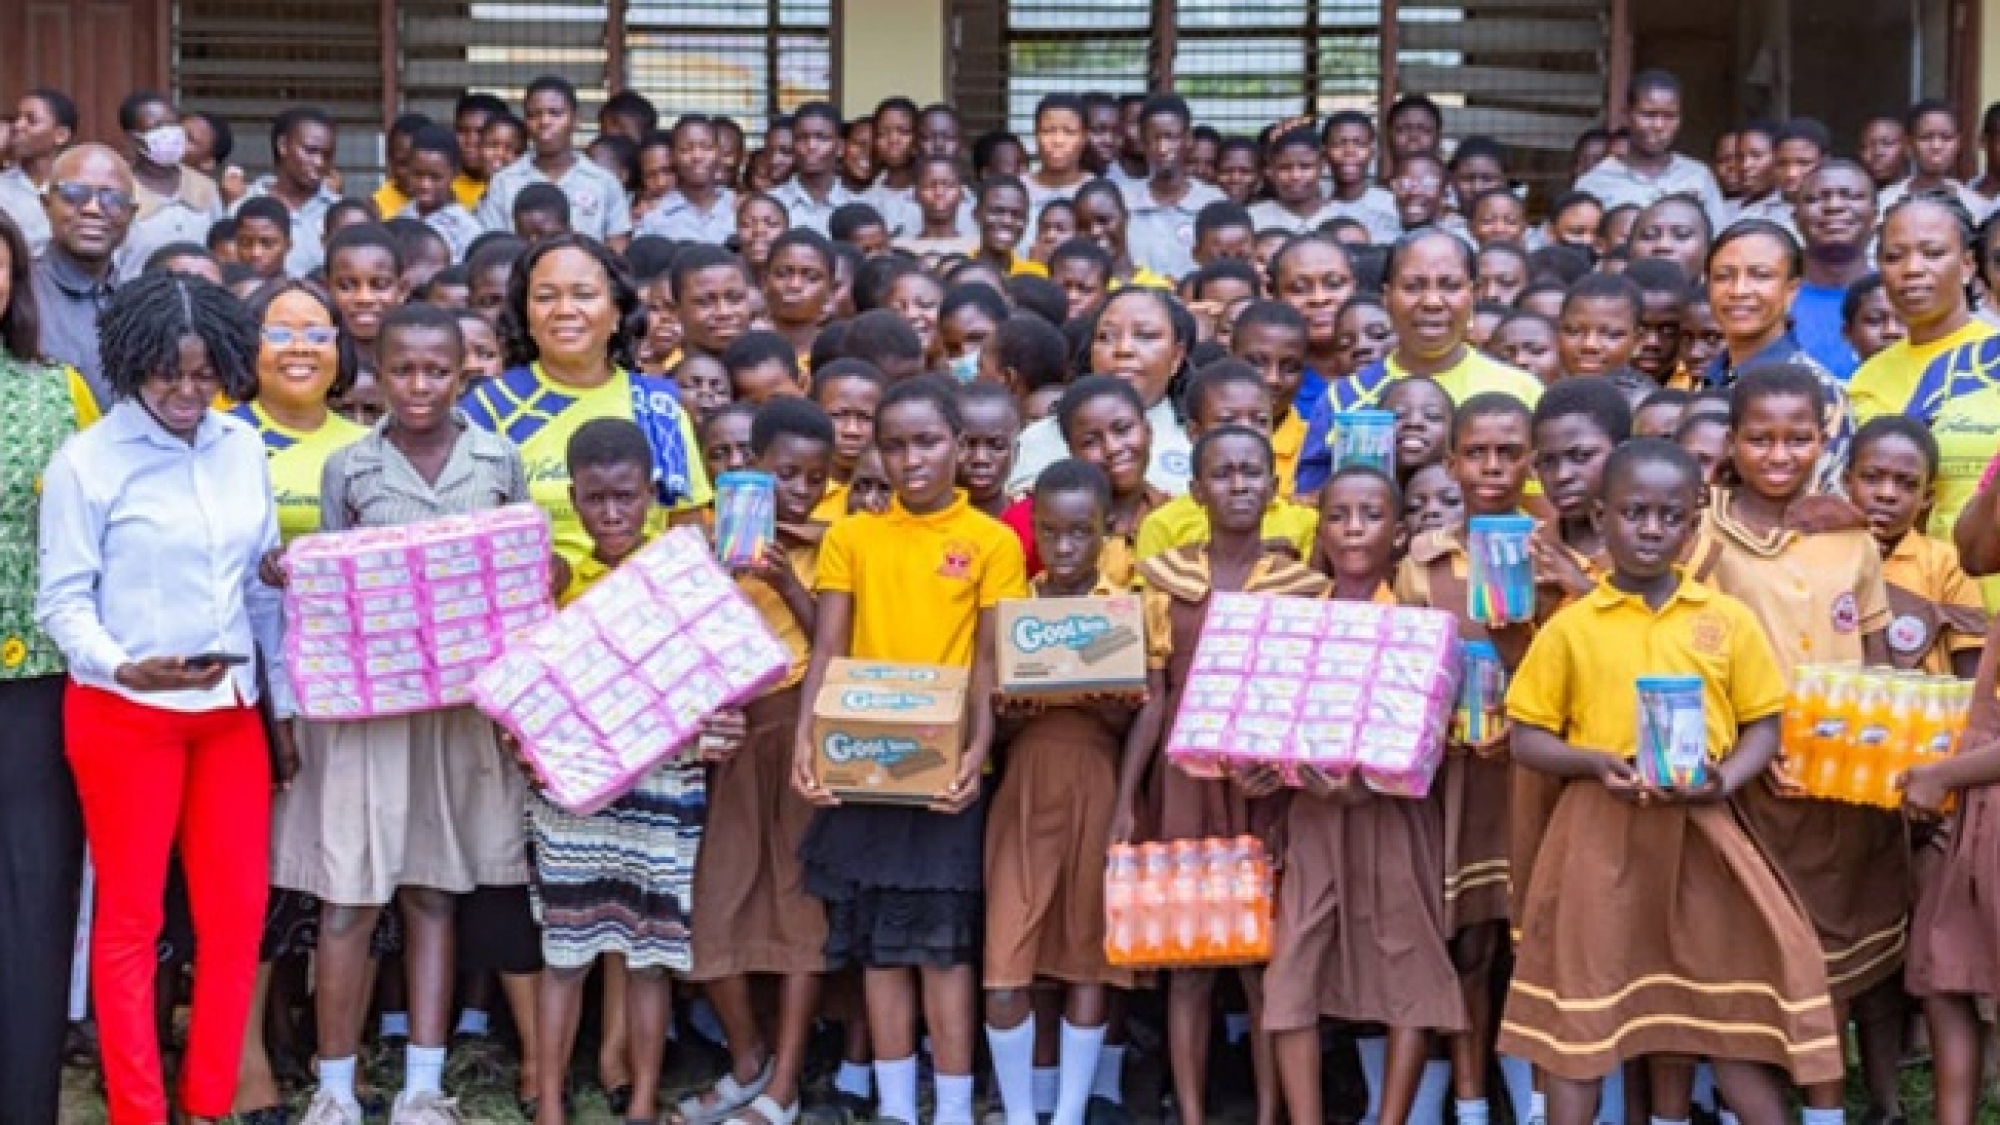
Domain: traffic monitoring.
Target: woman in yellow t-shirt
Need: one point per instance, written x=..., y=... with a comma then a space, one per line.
x=570, y=304
x=303, y=359
x=1925, y=255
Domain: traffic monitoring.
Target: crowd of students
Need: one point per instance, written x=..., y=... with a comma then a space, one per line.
x=1751, y=407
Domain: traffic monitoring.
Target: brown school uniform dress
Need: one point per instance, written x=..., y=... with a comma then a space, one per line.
x=1045, y=838
x=1476, y=783
x=1935, y=609
x=751, y=910
x=1955, y=930
x=1816, y=596
x=1176, y=604
x=1360, y=921
x=1652, y=930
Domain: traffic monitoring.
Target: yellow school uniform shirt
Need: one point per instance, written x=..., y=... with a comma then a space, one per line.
x=1816, y=595
x=468, y=191
x=1142, y=277
x=1885, y=383
x=588, y=571
x=833, y=505
x=1019, y=265
x=298, y=460
x=1183, y=574
x=778, y=616
x=390, y=200
x=1288, y=439
x=919, y=581
x=1578, y=679
x=1929, y=569
x=1180, y=522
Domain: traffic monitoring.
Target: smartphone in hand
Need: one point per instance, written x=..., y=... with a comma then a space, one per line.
x=216, y=660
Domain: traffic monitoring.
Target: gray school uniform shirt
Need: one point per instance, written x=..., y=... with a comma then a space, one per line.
x=1615, y=183
x=1160, y=236
x=371, y=484
x=676, y=217
x=597, y=204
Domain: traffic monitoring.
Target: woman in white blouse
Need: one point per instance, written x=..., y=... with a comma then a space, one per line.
x=153, y=523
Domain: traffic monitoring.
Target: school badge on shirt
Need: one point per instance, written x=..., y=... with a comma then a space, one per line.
x=1846, y=614
x=1708, y=633
x=1909, y=635
x=957, y=560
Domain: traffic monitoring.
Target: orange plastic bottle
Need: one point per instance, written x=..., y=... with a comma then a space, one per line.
x=1121, y=901
x=1155, y=874
x=1830, y=736
x=1185, y=932
x=1870, y=743
x=1217, y=870
x=1253, y=901
x=1795, y=725
x=1906, y=714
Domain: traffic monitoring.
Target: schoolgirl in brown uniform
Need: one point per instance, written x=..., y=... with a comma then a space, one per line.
x=1045, y=834
x=1808, y=568
x=1234, y=481
x=1490, y=456
x=1360, y=932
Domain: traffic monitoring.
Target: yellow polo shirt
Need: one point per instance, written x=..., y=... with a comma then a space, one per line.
x=468, y=191
x=919, y=582
x=1580, y=676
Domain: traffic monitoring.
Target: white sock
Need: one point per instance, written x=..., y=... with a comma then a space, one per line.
x=1668, y=1121
x=1374, y=1053
x=855, y=1079
x=472, y=1021
x=1048, y=1081
x=897, y=1081
x=1518, y=1076
x=1433, y=1090
x=336, y=1079
x=1109, y=1082
x=1474, y=1112
x=1811, y=1116
x=954, y=1096
x=1538, y=1106
x=1704, y=1087
x=423, y=1070
x=1728, y=1117
x=1080, y=1063
x=1013, y=1071
x=396, y=1025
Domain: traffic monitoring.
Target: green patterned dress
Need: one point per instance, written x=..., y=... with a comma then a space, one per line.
x=38, y=415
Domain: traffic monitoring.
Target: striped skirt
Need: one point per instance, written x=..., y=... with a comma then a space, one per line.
x=622, y=879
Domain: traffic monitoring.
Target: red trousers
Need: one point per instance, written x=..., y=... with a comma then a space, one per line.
x=149, y=778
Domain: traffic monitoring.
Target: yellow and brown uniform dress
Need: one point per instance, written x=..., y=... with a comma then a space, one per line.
x=1360, y=930
x=1658, y=929
x=1475, y=784
x=1118, y=562
x=1045, y=834
x=1816, y=596
x=1935, y=610
x=751, y=910
x=1176, y=604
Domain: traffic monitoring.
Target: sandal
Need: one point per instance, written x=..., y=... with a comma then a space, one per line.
x=768, y=1113
x=730, y=1096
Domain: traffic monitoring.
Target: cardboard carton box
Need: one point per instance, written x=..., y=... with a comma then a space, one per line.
x=1056, y=650
x=889, y=733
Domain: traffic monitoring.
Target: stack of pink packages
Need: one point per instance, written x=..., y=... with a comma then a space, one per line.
x=389, y=620
x=622, y=678
x=1347, y=687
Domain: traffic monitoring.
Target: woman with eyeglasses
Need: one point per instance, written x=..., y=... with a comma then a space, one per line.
x=153, y=523
x=41, y=829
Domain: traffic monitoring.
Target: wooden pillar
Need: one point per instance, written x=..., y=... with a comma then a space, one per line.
x=1386, y=80
x=1618, y=72
x=615, y=76
x=1165, y=46
x=392, y=71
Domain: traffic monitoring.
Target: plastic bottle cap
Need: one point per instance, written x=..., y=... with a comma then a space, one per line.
x=1667, y=683
x=1501, y=524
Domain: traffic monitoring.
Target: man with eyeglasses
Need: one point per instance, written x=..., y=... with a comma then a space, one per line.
x=89, y=203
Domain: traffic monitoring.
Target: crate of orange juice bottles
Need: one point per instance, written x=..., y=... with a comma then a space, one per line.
x=1188, y=904
x=1851, y=732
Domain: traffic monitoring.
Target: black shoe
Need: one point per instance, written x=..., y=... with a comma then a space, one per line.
x=1104, y=1111
x=269, y=1115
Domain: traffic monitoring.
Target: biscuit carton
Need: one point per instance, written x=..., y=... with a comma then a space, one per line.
x=1059, y=650
x=888, y=733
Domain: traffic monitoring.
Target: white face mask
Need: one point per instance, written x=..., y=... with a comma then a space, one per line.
x=165, y=145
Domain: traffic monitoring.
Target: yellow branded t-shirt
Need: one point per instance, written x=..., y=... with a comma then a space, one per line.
x=919, y=582
x=297, y=461
x=1885, y=383
x=539, y=416
x=1579, y=679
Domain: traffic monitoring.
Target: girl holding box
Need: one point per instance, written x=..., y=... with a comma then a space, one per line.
x=422, y=804
x=917, y=585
